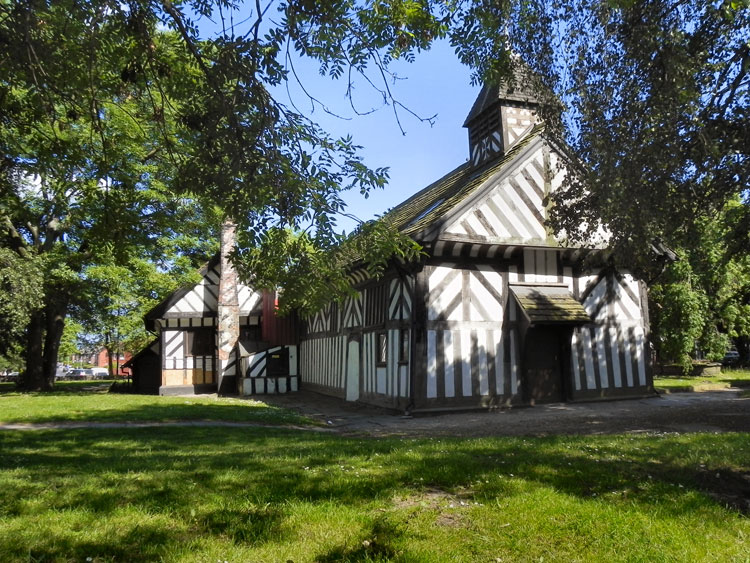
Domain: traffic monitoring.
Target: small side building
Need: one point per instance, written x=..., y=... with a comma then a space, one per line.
x=145, y=370
x=263, y=358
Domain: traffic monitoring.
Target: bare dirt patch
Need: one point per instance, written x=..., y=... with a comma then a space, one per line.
x=716, y=411
x=450, y=508
x=429, y=498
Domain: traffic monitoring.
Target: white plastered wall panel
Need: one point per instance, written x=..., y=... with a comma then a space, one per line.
x=322, y=361
x=628, y=302
x=248, y=299
x=609, y=354
x=513, y=210
x=174, y=349
x=351, y=311
x=392, y=379
x=485, y=294
x=400, y=296
x=469, y=354
x=201, y=298
x=540, y=266
x=321, y=320
x=444, y=297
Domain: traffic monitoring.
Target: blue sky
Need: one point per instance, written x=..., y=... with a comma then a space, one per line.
x=435, y=84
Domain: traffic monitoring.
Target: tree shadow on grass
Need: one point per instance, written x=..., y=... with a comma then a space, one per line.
x=141, y=543
x=253, y=525
x=62, y=388
x=239, y=484
x=739, y=383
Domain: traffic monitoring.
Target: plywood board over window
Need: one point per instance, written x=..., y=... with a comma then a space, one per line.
x=199, y=342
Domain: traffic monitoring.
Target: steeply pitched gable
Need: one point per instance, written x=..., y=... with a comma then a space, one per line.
x=424, y=213
x=511, y=208
x=200, y=300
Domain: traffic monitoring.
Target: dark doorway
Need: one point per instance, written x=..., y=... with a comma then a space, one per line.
x=546, y=353
x=277, y=363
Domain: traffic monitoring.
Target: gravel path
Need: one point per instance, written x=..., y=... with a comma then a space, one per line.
x=715, y=411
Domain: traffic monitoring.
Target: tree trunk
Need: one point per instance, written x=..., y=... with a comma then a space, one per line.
x=56, y=312
x=32, y=378
x=109, y=360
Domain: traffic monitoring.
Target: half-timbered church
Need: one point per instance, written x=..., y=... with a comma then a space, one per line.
x=498, y=312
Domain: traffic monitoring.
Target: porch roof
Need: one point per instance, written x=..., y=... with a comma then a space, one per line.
x=549, y=304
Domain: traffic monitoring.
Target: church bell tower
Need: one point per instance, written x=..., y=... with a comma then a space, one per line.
x=501, y=116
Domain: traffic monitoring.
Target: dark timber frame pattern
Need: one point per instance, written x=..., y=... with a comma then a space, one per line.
x=483, y=228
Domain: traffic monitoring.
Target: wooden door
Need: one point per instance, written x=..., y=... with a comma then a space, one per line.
x=543, y=365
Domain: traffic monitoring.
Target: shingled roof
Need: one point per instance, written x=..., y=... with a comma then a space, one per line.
x=523, y=88
x=549, y=305
x=424, y=208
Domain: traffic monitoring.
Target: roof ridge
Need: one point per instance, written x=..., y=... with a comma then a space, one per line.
x=421, y=210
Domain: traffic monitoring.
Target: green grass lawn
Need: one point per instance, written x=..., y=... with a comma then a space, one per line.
x=265, y=494
x=728, y=378
x=89, y=401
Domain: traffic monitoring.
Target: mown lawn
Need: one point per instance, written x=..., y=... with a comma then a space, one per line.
x=89, y=401
x=263, y=494
x=92, y=403
x=726, y=379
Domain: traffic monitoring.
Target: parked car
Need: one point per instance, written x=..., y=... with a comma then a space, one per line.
x=731, y=358
x=100, y=373
x=9, y=376
x=79, y=374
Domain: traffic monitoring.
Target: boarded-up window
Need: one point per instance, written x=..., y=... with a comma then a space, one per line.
x=277, y=363
x=199, y=342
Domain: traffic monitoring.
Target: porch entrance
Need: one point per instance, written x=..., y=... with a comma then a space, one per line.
x=546, y=357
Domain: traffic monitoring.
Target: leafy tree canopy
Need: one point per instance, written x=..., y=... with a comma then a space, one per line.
x=703, y=299
x=117, y=114
x=657, y=98
x=659, y=112
x=20, y=296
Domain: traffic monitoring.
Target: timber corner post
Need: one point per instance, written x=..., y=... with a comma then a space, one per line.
x=647, y=342
x=418, y=373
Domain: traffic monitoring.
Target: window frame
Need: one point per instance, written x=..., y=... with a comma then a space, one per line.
x=381, y=350
x=208, y=341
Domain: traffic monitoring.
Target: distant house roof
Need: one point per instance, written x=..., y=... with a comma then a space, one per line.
x=440, y=199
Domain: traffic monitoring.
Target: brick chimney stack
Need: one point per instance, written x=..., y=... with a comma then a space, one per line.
x=228, y=329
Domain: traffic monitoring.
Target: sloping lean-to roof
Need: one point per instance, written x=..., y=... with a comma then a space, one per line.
x=549, y=305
